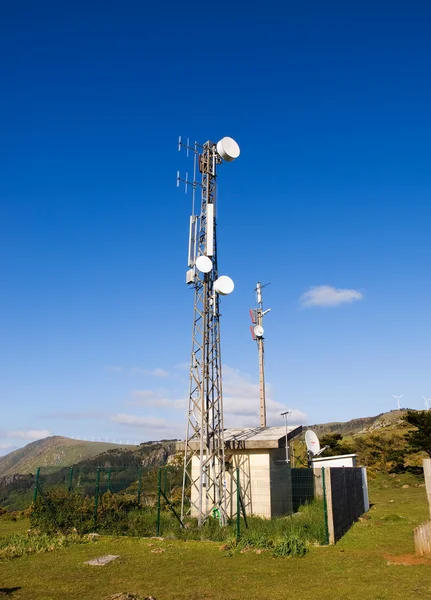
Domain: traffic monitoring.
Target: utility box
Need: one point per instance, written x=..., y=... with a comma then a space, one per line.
x=343, y=460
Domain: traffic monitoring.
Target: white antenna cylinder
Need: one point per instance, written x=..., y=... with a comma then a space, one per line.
x=228, y=149
x=224, y=285
x=204, y=264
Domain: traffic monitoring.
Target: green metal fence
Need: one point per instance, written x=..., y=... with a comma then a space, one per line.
x=131, y=501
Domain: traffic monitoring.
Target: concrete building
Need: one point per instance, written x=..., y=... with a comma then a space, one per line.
x=265, y=476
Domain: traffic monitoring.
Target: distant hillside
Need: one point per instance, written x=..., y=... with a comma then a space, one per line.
x=390, y=420
x=52, y=451
x=58, y=454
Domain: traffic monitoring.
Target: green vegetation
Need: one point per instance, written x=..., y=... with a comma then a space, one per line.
x=419, y=439
x=374, y=560
x=394, y=442
x=34, y=542
x=120, y=514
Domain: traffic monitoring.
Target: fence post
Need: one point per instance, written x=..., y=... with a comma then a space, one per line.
x=36, y=484
x=238, y=507
x=96, y=497
x=159, y=488
x=165, y=480
x=70, y=479
x=325, y=507
x=139, y=485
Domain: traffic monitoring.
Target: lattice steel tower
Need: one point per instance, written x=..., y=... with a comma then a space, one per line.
x=204, y=485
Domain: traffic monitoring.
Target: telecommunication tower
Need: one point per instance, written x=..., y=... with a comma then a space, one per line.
x=204, y=483
x=257, y=332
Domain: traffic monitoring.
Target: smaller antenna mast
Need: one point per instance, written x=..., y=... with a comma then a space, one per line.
x=286, y=415
x=398, y=398
x=257, y=332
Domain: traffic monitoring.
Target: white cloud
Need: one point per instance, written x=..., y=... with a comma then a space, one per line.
x=154, y=399
x=115, y=369
x=72, y=416
x=326, y=295
x=140, y=422
x=158, y=372
x=7, y=446
x=241, y=402
x=29, y=434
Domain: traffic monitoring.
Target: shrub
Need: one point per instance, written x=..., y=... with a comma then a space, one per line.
x=290, y=545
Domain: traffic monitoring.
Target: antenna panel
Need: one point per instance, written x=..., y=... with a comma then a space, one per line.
x=210, y=230
x=253, y=316
x=190, y=276
x=192, y=240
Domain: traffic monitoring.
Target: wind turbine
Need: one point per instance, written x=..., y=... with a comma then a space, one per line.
x=398, y=399
x=426, y=401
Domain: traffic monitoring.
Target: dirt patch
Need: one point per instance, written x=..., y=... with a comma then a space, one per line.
x=408, y=560
x=126, y=596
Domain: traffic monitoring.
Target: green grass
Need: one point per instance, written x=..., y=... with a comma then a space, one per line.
x=356, y=568
x=10, y=526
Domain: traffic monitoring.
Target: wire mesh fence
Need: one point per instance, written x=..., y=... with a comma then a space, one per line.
x=128, y=501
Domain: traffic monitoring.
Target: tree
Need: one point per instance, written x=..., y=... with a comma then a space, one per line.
x=336, y=444
x=383, y=451
x=419, y=439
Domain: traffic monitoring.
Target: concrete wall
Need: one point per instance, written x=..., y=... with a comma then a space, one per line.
x=265, y=478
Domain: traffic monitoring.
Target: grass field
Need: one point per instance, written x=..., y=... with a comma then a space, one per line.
x=371, y=562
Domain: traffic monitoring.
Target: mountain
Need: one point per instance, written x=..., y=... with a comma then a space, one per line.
x=54, y=451
x=388, y=421
x=55, y=455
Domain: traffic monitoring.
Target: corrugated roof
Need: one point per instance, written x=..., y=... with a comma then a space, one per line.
x=260, y=437
x=254, y=438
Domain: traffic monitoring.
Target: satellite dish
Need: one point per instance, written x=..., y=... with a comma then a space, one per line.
x=204, y=264
x=228, y=149
x=312, y=441
x=224, y=285
x=258, y=331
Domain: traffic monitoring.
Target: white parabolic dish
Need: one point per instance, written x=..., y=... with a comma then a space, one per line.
x=204, y=264
x=224, y=285
x=258, y=331
x=228, y=149
x=312, y=441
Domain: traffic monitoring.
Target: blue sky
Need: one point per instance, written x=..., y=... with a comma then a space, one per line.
x=330, y=105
